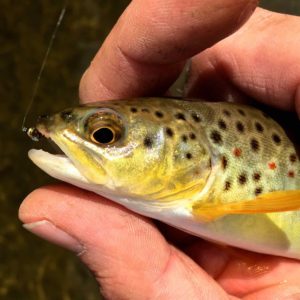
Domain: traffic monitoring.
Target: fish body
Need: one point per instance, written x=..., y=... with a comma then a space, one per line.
x=223, y=171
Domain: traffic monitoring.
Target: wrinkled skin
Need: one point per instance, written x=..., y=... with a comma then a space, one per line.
x=131, y=257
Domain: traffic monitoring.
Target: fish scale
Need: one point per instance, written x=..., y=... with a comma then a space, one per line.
x=222, y=171
x=255, y=162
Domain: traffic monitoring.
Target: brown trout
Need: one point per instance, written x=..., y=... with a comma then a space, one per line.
x=225, y=172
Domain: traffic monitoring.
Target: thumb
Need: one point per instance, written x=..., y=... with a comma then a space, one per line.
x=145, y=51
x=127, y=254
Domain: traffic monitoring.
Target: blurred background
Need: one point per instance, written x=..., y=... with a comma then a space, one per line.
x=29, y=267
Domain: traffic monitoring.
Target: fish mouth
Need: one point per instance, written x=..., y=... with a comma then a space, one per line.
x=58, y=166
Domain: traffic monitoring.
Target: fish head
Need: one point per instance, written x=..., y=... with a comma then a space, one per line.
x=130, y=150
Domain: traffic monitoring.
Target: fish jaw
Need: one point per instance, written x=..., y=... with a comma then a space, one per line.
x=61, y=167
x=58, y=166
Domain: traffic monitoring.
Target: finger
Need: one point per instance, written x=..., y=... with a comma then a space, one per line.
x=256, y=272
x=145, y=51
x=243, y=273
x=127, y=254
x=259, y=60
x=284, y=291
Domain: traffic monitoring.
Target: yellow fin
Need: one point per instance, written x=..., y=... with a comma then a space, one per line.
x=278, y=201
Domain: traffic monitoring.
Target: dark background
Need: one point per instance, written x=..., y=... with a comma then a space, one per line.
x=29, y=267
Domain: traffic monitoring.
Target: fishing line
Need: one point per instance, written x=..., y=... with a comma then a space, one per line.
x=30, y=131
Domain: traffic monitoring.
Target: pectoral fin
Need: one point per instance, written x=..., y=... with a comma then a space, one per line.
x=278, y=201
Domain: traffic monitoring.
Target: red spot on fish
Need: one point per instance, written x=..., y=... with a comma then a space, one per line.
x=237, y=152
x=291, y=174
x=272, y=165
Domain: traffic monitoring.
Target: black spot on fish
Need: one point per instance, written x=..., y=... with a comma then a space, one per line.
x=133, y=109
x=222, y=125
x=227, y=185
x=259, y=127
x=240, y=127
x=276, y=139
x=188, y=155
x=241, y=112
x=226, y=113
x=67, y=115
x=196, y=118
x=184, y=138
x=258, y=191
x=216, y=137
x=148, y=142
x=192, y=136
x=293, y=158
x=169, y=132
x=242, y=179
x=254, y=145
x=256, y=176
x=224, y=162
x=180, y=116
x=159, y=114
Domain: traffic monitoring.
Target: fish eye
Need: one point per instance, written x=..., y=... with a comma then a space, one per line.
x=104, y=135
x=103, y=127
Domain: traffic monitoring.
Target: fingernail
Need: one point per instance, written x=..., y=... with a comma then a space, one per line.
x=48, y=231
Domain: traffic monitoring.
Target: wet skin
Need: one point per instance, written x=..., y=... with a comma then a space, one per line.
x=130, y=256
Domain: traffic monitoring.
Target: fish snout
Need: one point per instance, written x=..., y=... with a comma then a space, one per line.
x=44, y=124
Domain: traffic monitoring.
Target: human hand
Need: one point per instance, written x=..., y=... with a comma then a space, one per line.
x=144, y=53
